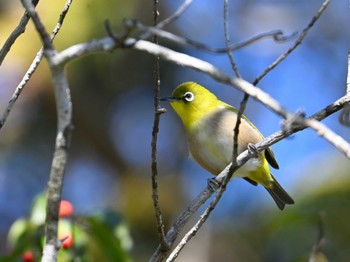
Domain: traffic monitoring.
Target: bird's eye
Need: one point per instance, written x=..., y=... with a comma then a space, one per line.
x=188, y=96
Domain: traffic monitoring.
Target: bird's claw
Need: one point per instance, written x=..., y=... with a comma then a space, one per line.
x=253, y=150
x=213, y=184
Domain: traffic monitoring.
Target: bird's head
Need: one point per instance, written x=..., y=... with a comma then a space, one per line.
x=192, y=102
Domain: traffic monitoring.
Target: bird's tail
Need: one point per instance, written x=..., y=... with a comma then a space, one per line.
x=278, y=194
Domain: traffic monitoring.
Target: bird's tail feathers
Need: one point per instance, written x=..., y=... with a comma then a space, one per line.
x=278, y=194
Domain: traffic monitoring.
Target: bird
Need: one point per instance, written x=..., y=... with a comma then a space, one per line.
x=209, y=126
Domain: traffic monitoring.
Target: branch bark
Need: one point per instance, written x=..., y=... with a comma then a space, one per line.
x=344, y=117
x=157, y=113
x=59, y=161
x=20, y=29
x=32, y=68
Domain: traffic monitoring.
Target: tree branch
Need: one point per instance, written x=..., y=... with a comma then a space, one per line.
x=20, y=29
x=32, y=68
x=157, y=112
x=344, y=117
x=59, y=161
x=316, y=252
x=168, y=20
x=227, y=41
x=276, y=35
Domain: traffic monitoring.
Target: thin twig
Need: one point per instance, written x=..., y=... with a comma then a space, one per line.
x=242, y=105
x=20, y=29
x=276, y=35
x=192, y=232
x=344, y=117
x=316, y=252
x=169, y=19
x=32, y=68
x=296, y=44
x=48, y=47
x=227, y=40
x=245, y=98
x=155, y=130
x=348, y=76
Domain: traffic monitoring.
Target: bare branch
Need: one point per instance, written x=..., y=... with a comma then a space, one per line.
x=276, y=35
x=323, y=131
x=227, y=40
x=148, y=33
x=344, y=117
x=32, y=68
x=316, y=253
x=155, y=130
x=192, y=232
x=186, y=4
x=20, y=28
x=38, y=25
x=296, y=44
x=59, y=161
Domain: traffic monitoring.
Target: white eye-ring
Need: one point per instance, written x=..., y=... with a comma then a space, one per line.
x=189, y=97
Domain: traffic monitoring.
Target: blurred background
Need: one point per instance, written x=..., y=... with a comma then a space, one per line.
x=109, y=164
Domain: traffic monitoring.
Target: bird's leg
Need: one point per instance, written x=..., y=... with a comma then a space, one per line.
x=253, y=150
x=213, y=184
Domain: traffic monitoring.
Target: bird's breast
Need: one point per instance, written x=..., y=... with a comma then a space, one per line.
x=211, y=144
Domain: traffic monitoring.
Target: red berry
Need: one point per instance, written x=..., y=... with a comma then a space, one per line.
x=66, y=209
x=67, y=241
x=27, y=256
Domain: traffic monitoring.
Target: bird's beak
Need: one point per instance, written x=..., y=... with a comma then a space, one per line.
x=169, y=99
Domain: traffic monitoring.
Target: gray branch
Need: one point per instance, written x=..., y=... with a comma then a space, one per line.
x=59, y=161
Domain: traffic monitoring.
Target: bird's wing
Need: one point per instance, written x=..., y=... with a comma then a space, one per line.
x=270, y=156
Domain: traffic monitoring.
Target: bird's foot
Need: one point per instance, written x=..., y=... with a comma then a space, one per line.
x=253, y=150
x=213, y=184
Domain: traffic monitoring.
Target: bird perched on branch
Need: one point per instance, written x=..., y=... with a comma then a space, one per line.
x=209, y=124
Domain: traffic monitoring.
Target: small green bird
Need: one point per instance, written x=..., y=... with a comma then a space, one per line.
x=209, y=124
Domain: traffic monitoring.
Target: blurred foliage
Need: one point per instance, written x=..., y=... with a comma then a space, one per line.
x=99, y=237
x=104, y=236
